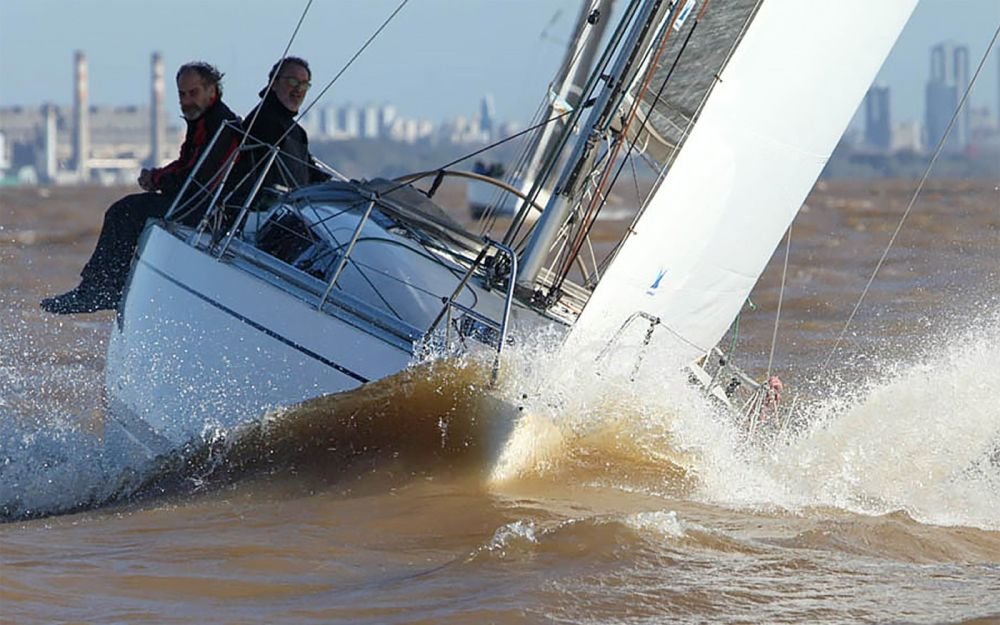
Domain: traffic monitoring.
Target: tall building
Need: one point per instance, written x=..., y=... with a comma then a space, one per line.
x=948, y=81
x=878, y=126
x=369, y=122
x=386, y=118
x=487, y=117
x=350, y=121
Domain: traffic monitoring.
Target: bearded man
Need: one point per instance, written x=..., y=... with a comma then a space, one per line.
x=199, y=89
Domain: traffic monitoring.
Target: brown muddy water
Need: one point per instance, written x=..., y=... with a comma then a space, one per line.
x=604, y=501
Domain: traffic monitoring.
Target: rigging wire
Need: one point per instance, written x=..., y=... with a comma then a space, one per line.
x=590, y=216
x=520, y=169
x=592, y=212
x=270, y=84
x=916, y=194
x=364, y=46
x=489, y=147
x=781, y=298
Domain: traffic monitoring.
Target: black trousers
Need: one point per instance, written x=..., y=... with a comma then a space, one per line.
x=123, y=223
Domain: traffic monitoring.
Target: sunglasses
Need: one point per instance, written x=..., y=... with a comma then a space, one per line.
x=295, y=83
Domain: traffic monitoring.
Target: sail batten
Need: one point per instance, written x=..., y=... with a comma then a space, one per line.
x=761, y=139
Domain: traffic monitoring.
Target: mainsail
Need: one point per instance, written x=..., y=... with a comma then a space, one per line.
x=765, y=132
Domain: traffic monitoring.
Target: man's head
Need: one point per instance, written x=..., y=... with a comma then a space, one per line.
x=199, y=85
x=289, y=79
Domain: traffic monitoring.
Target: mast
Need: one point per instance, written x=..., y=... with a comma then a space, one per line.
x=561, y=203
x=569, y=82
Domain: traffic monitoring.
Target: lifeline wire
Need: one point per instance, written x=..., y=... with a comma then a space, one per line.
x=916, y=193
x=189, y=205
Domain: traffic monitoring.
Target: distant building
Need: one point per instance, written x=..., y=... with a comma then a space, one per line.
x=487, y=117
x=312, y=121
x=369, y=122
x=4, y=155
x=907, y=137
x=350, y=122
x=157, y=117
x=46, y=158
x=81, y=117
x=386, y=118
x=878, y=126
x=329, y=126
x=948, y=80
x=984, y=132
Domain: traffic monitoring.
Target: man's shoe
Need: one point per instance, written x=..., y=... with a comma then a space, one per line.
x=82, y=299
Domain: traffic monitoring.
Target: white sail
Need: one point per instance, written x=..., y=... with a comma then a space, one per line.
x=767, y=130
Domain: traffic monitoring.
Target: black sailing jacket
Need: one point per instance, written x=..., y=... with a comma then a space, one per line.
x=274, y=122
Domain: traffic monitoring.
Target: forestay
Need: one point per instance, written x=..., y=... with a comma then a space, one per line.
x=764, y=134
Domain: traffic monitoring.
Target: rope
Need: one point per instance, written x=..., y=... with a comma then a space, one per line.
x=916, y=194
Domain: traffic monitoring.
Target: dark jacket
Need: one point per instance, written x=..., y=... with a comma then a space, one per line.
x=275, y=125
x=170, y=178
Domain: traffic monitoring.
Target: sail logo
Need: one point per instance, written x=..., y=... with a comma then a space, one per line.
x=656, y=282
x=683, y=15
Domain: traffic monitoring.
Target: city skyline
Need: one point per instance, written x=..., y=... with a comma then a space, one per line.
x=517, y=65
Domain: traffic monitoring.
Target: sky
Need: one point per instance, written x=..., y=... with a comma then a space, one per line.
x=435, y=60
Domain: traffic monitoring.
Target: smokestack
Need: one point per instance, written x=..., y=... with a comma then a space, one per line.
x=51, y=143
x=157, y=123
x=81, y=112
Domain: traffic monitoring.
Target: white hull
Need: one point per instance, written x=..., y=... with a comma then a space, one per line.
x=205, y=343
x=199, y=345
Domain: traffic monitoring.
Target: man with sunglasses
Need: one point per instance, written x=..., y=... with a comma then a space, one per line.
x=272, y=123
x=199, y=89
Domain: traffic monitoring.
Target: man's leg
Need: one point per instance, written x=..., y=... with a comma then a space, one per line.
x=105, y=273
x=123, y=223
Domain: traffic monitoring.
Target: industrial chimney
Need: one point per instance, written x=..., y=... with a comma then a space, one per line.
x=157, y=123
x=50, y=141
x=81, y=114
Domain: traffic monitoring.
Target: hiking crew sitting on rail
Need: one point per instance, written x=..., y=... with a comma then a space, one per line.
x=199, y=89
x=272, y=123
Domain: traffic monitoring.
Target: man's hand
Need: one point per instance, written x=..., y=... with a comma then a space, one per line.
x=146, y=180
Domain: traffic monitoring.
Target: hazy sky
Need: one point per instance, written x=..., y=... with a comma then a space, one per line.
x=435, y=60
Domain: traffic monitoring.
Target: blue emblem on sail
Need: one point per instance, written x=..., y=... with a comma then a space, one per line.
x=683, y=15
x=656, y=283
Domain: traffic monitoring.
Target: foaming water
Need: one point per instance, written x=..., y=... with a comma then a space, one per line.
x=922, y=437
x=51, y=456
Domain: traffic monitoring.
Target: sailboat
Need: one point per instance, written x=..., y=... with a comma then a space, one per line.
x=325, y=288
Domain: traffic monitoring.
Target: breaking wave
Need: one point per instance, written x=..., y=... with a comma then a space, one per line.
x=922, y=438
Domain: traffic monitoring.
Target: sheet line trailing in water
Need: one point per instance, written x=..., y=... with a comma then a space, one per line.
x=762, y=139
